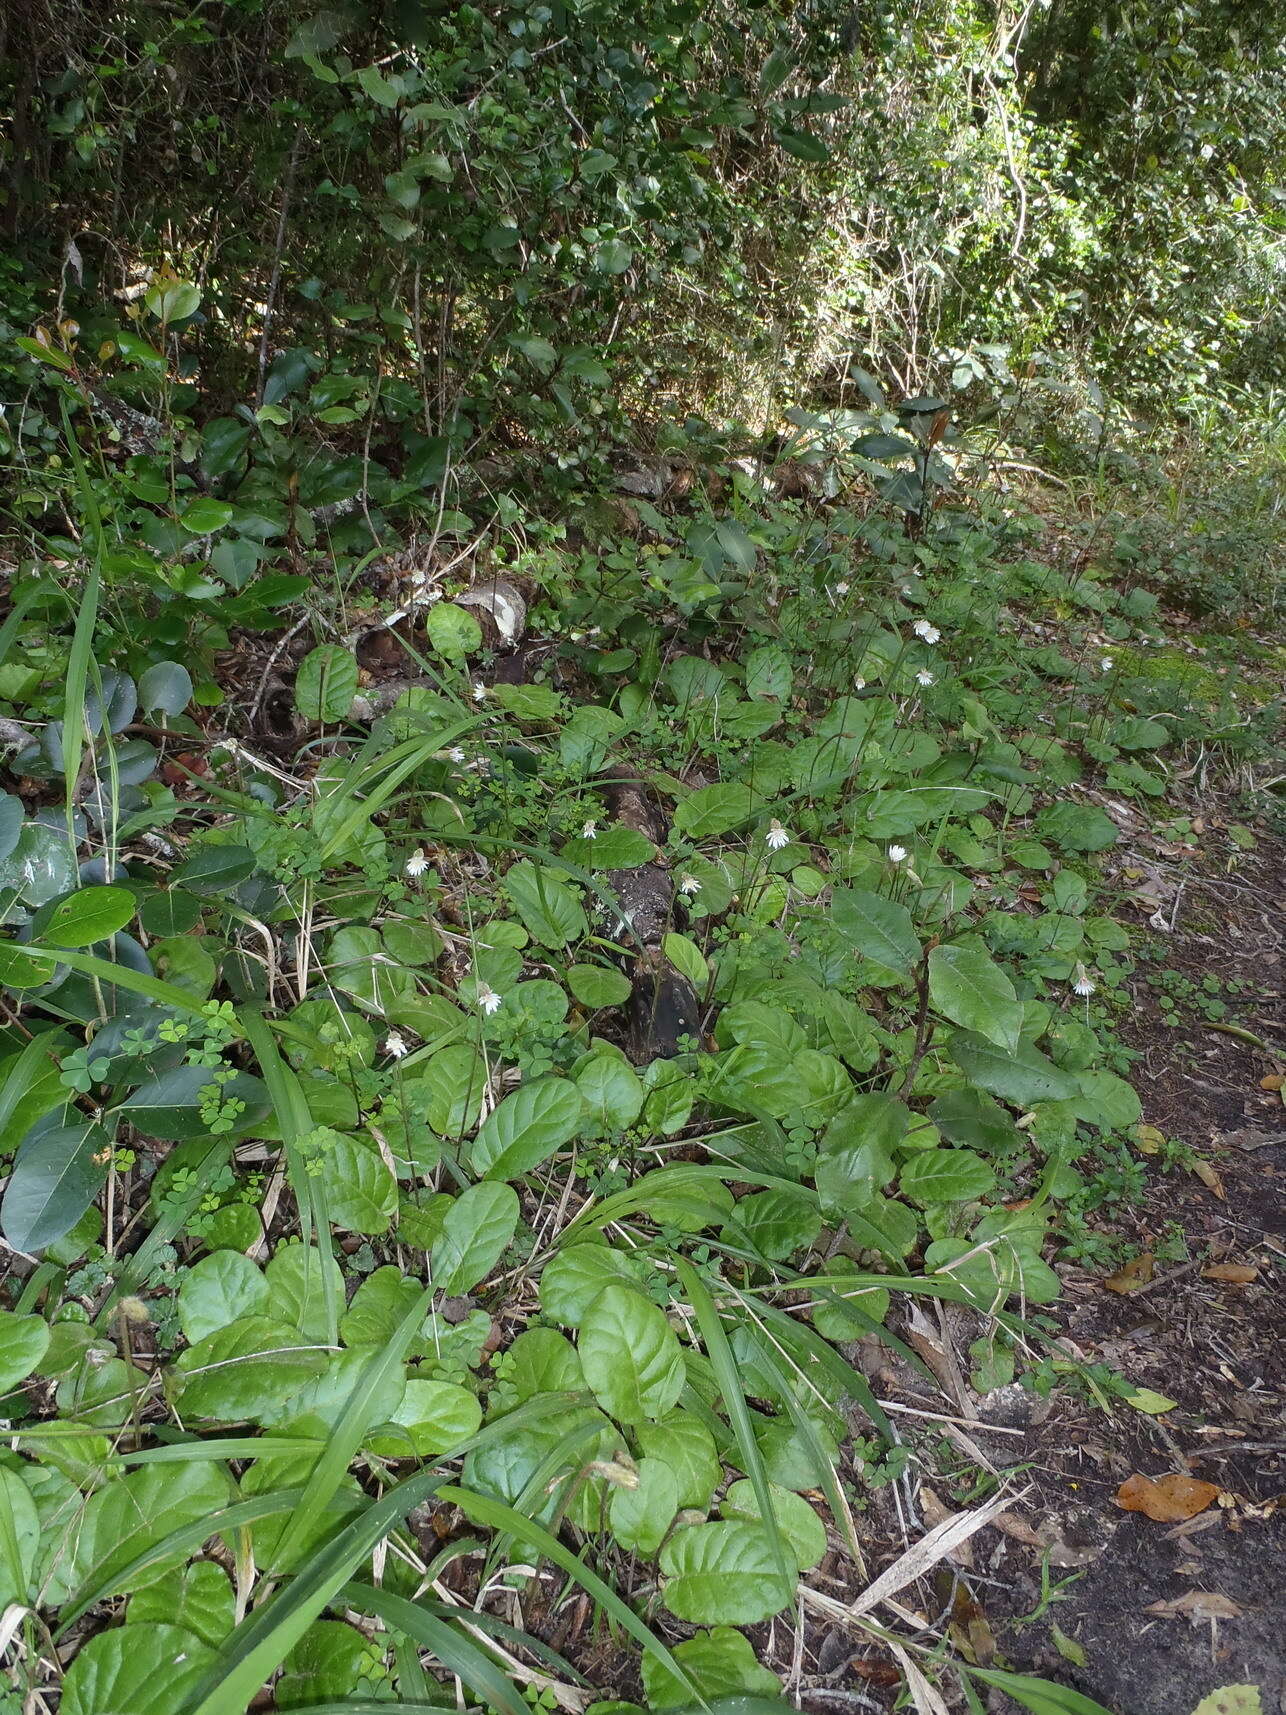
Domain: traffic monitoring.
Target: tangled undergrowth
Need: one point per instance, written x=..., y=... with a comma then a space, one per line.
x=472, y=1094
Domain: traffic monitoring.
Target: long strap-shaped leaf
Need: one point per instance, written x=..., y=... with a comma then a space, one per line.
x=496, y=1516
x=254, y=1651
x=1041, y=1696
x=459, y=1654
x=724, y=1365
x=177, y=1545
x=353, y=1422
x=295, y=1121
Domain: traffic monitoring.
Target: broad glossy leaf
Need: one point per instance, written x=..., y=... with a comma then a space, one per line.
x=477, y=1228
x=129, y=1516
x=326, y=683
x=722, y=1665
x=173, y=1106
x=971, y=990
x=597, y=986
x=92, y=914
x=219, y=1289
x=300, y=1282
x=946, y=1176
x=361, y=1190
x=24, y=1340
x=630, y=1355
x=55, y=1179
x=1020, y=1077
x=134, y=1670
x=713, y=810
x=722, y=1574
x=526, y=1128
x=550, y=911
x=20, y=1538
x=799, y=1524
x=573, y=1279
x=246, y=1371
x=165, y=688
x=200, y=1598
x=878, y=928
x=434, y=1417
x=641, y=1515
x=684, y=1443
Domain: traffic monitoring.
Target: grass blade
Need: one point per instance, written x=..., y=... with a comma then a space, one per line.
x=459, y=1654
x=258, y=1646
x=724, y=1365
x=496, y=1516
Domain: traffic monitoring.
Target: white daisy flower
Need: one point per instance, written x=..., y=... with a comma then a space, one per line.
x=926, y=632
x=488, y=1000
x=394, y=1045
x=897, y=854
x=417, y=863
x=456, y=754
x=841, y=588
x=776, y=837
x=1083, y=985
x=479, y=691
x=690, y=885
x=589, y=831
x=1106, y=664
x=859, y=684
x=924, y=677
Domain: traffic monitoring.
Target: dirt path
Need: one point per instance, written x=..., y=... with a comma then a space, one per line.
x=1160, y=1614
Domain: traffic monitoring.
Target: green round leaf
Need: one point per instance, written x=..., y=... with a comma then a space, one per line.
x=434, y=1417
x=361, y=1191
x=574, y=1278
x=477, y=1228
x=326, y=683
x=203, y=517
x=453, y=631
x=971, y=990
x=23, y=1342
x=630, y=1355
x=723, y=1574
x=946, y=1176
x=165, y=688
x=641, y=1516
x=526, y=1128
x=803, y=1532
x=134, y=1670
x=217, y=1290
x=597, y=986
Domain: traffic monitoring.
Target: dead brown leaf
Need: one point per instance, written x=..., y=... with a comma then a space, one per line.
x=1166, y=1499
x=1235, y=1273
x=1209, y=1178
x=1274, y=1081
x=1132, y=1275
x=1195, y=1606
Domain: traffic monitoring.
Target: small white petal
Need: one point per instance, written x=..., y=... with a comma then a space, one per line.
x=841, y=589
x=897, y=854
x=689, y=885
x=924, y=677
x=394, y=1045
x=479, y=691
x=859, y=684
x=1106, y=664
x=488, y=1000
x=776, y=837
x=929, y=633
x=589, y=831
x=1083, y=984
x=417, y=863
x=456, y=754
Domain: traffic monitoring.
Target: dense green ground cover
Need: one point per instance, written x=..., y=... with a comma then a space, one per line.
x=537, y=920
